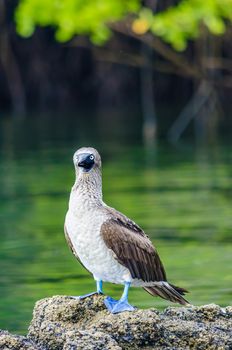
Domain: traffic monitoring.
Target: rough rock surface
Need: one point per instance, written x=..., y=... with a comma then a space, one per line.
x=16, y=342
x=64, y=323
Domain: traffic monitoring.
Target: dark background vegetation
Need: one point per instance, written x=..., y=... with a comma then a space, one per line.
x=128, y=75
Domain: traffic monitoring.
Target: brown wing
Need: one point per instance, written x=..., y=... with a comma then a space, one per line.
x=133, y=249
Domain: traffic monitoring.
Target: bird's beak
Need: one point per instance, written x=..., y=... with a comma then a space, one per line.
x=85, y=162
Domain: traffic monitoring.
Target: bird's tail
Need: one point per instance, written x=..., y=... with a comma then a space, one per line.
x=168, y=291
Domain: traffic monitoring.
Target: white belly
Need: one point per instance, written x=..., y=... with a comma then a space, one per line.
x=84, y=233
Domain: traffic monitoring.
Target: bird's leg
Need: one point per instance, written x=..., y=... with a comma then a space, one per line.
x=99, y=287
x=98, y=291
x=116, y=306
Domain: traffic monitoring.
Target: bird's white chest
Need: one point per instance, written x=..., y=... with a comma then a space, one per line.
x=84, y=233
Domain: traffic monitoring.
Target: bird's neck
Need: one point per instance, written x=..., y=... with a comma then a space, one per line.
x=86, y=192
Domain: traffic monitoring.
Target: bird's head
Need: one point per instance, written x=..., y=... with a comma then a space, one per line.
x=86, y=159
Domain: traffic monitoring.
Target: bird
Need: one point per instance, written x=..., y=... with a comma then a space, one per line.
x=108, y=244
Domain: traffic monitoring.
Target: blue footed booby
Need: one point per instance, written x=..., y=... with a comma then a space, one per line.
x=111, y=246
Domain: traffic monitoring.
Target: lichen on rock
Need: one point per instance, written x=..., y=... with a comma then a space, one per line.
x=65, y=323
x=16, y=342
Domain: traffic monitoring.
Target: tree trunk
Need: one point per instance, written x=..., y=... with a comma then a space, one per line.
x=10, y=66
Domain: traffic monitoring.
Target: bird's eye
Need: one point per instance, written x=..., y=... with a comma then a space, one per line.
x=91, y=157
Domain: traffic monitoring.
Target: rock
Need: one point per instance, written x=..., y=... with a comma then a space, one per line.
x=16, y=342
x=89, y=340
x=61, y=322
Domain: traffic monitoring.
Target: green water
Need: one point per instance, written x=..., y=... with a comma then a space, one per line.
x=182, y=197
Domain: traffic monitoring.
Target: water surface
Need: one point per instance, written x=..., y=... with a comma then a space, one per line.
x=180, y=196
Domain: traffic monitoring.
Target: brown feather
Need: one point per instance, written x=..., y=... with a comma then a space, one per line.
x=168, y=292
x=133, y=249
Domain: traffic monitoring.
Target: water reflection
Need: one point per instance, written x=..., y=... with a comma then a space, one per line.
x=180, y=197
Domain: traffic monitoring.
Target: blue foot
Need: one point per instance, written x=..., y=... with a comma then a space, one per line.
x=116, y=306
x=86, y=295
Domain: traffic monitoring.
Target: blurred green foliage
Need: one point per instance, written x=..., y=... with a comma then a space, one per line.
x=73, y=17
x=176, y=25
x=180, y=23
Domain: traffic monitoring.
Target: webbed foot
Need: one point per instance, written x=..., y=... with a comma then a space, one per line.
x=116, y=306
